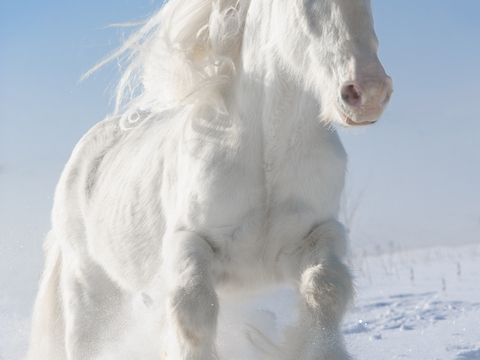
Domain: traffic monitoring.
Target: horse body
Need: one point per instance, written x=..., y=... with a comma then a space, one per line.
x=200, y=200
x=269, y=214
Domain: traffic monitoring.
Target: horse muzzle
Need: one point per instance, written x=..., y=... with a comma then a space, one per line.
x=362, y=103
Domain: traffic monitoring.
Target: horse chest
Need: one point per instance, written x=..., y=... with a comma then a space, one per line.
x=249, y=208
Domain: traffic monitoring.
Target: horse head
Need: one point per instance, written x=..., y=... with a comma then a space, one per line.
x=331, y=47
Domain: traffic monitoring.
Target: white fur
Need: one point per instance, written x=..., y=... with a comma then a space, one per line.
x=227, y=178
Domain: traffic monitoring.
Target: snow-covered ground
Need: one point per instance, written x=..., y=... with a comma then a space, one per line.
x=417, y=304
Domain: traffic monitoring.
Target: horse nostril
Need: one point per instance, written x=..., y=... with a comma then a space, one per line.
x=352, y=96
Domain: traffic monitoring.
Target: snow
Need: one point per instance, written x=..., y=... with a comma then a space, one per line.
x=419, y=304
x=14, y=330
x=413, y=304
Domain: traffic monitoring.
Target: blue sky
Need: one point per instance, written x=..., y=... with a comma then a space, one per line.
x=418, y=168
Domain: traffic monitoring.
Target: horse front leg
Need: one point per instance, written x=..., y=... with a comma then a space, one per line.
x=192, y=304
x=325, y=290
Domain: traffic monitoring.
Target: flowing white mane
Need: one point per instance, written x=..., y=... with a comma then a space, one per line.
x=183, y=54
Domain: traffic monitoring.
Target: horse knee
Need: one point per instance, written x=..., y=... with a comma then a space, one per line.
x=187, y=257
x=327, y=289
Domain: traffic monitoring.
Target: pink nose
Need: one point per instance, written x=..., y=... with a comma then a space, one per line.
x=372, y=95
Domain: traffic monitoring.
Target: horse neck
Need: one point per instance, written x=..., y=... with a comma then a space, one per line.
x=274, y=105
x=269, y=98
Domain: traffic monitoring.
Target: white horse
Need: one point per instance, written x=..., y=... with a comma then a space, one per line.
x=221, y=173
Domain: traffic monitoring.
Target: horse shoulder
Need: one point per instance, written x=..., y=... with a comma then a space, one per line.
x=108, y=200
